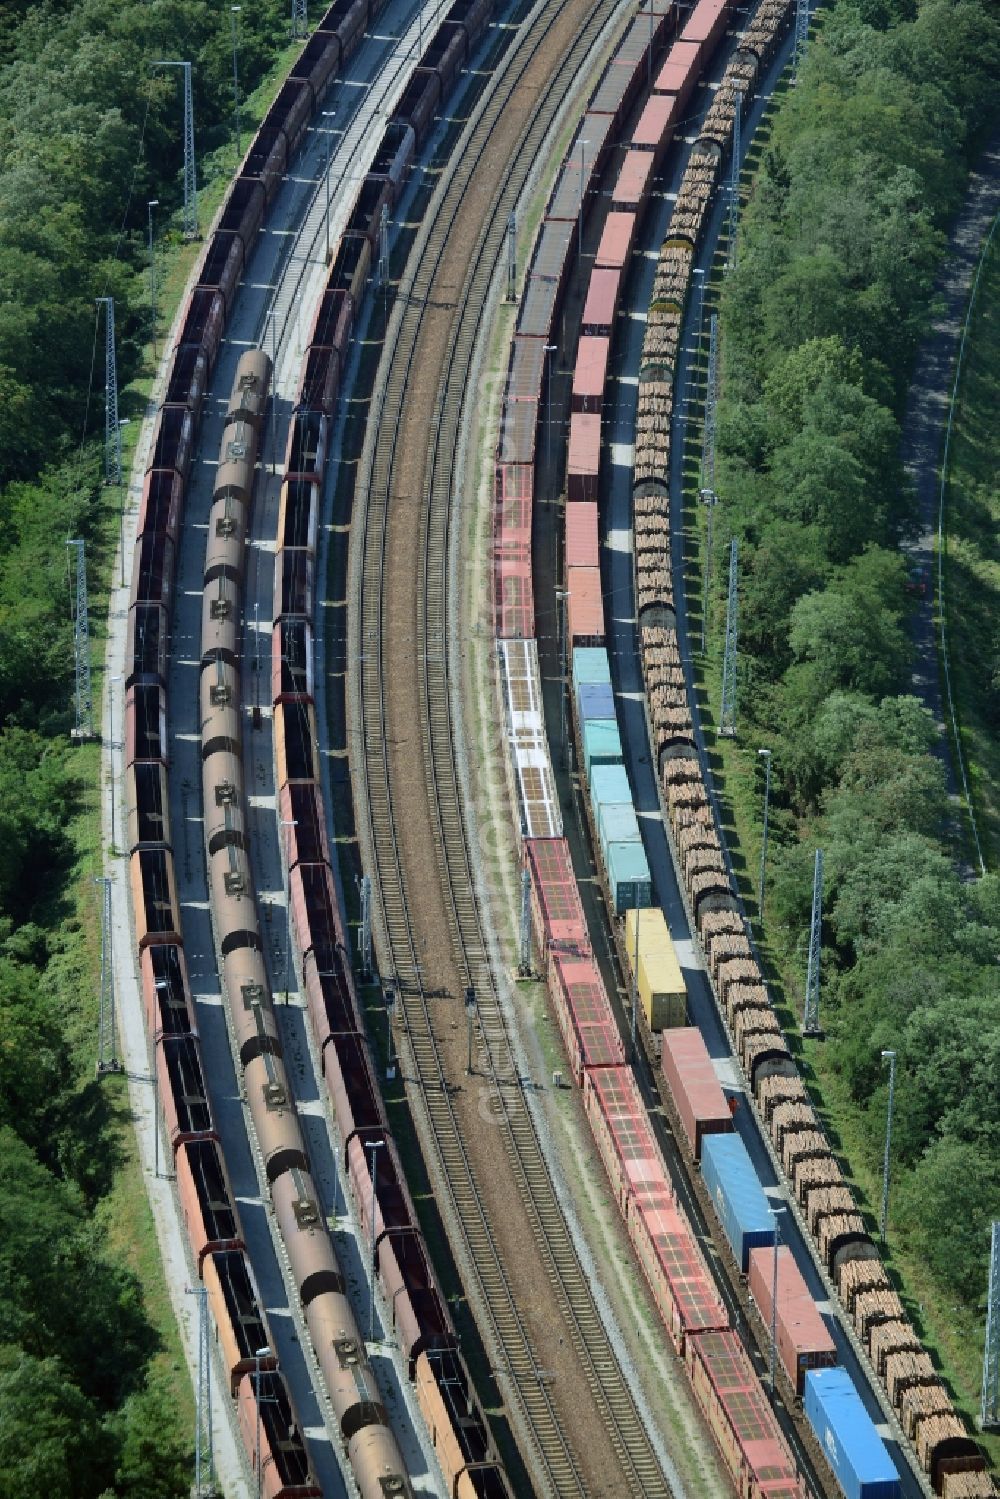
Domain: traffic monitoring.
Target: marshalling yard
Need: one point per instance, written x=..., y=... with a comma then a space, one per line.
x=479, y=1160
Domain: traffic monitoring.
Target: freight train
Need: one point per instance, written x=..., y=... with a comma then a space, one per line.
x=700, y=1113
x=270, y=1428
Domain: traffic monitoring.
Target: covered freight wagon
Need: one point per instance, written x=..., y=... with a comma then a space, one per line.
x=847, y=1435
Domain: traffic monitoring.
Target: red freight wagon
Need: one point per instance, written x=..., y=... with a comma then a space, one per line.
x=705, y=25
x=623, y=1132
x=145, y=723
x=590, y=374
x=555, y=897
x=584, y=459
x=291, y=660
x=332, y=1008
x=206, y=1198
x=582, y=548
x=616, y=241
x=632, y=188
x=673, y=1264
x=679, y=73
x=166, y=992
x=282, y=1460
x=303, y=824
x=803, y=1338
x=512, y=572
x=585, y=606
x=419, y=1314
x=656, y=126
x=394, y=1208
x=584, y=1012
x=744, y=1427
x=698, y=1098
x=602, y=301
x=162, y=502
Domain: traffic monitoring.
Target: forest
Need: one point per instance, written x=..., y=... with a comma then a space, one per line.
x=89, y=131
x=839, y=245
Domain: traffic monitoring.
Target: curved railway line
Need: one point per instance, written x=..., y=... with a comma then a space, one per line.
x=400, y=396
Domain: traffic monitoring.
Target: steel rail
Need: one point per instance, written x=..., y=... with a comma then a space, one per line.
x=571, y=1287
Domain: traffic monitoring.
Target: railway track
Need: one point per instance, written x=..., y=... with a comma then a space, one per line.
x=381, y=805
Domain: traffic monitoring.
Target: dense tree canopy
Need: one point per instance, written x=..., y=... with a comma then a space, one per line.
x=839, y=247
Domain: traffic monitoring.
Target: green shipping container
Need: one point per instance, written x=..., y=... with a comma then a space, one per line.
x=601, y=743
x=628, y=876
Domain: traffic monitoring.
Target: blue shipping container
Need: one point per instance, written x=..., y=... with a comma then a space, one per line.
x=737, y=1196
x=628, y=876
x=595, y=700
x=601, y=743
x=609, y=783
x=590, y=664
x=847, y=1435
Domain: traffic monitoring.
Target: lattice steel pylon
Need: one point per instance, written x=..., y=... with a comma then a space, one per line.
x=112, y=426
x=711, y=396
x=801, y=33
x=204, y=1452
x=810, y=1018
x=734, y=179
x=83, y=696
x=511, y=259
x=989, y=1417
x=190, y=220
x=107, y=1031
x=727, y=711
x=300, y=20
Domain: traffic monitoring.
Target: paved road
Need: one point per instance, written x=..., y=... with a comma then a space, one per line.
x=350, y=127
x=924, y=426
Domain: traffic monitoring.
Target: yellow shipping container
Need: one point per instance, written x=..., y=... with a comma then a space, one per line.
x=662, y=991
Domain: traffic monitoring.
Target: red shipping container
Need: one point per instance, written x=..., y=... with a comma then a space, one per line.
x=706, y=25
x=584, y=1012
x=555, y=897
x=590, y=374
x=694, y=1086
x=804, y=1341
x=616, y=241
x=657, y=123
x=585, y=609
x=632, y=187
x=679, y=73
x=602, y=301
x=583, y=462
x=582, y=546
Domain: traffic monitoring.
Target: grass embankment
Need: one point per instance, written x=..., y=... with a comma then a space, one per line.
x=972, y=555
